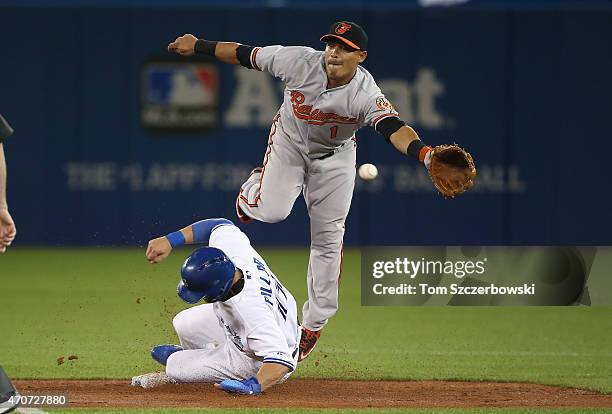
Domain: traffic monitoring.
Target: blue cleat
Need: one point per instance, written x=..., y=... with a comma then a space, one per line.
x=161, y=353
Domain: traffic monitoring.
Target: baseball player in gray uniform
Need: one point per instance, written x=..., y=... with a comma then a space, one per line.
x=311, y=149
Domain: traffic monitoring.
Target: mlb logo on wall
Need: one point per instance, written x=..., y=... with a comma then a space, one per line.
x=179, y=96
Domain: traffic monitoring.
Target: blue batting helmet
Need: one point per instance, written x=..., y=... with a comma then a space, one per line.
x=206, y=274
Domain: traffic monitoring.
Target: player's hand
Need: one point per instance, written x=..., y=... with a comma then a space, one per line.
x=183, y=45
x=8, y=231
x=248, y=386
x=158, y=249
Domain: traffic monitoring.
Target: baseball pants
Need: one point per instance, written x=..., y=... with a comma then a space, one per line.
x=327, y=185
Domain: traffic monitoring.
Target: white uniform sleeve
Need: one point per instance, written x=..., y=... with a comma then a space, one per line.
x=231, y=240
x=268, y=342
x=377, y=108
x=283, y=62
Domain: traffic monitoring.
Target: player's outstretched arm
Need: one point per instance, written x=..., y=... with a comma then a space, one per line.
x=406, y=140
x=450, y=167
x=402, y=138
x=383, y=117
x=188, y=45
x=199, y=232
x=279, y=61
x=269, y=374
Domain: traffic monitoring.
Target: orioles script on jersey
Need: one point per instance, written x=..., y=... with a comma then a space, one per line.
x=316, y=117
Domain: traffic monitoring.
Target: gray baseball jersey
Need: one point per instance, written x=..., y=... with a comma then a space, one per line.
x=322, y=119
x=312, y=149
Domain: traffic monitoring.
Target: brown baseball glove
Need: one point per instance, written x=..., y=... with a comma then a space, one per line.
x=451, y=170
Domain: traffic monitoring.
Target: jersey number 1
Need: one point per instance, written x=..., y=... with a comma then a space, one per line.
x=333, y=131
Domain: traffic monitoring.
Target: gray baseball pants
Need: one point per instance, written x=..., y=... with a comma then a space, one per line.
x=327, y=185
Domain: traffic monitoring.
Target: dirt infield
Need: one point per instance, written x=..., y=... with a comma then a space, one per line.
x=310, y=393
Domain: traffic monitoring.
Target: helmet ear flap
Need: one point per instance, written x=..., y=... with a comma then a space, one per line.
x=187, y=295
x=206, y=274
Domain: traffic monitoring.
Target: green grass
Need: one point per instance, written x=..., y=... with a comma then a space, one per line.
x=59, y=302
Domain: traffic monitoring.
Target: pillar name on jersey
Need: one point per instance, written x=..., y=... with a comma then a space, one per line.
x=257, y=96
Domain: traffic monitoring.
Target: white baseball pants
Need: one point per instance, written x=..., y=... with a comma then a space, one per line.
x=208, y=356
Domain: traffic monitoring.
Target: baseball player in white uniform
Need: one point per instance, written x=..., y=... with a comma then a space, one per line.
x=328, y=96
x=246, y=337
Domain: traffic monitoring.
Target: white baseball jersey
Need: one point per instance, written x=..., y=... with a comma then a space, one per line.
x=320, y=119
x=261, y=320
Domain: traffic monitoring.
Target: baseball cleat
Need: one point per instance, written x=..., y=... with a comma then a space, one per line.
x=308, y=341
x=161, y=353
x=152, y=380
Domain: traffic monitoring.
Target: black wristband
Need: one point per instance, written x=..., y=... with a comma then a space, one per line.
x=205, y=47
x=417, y=149
x=243, y=54
x=389, y=126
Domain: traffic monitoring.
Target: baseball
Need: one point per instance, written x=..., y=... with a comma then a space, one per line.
x=368, y=172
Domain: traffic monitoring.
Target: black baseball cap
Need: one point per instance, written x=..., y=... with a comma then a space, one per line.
x=349, y=33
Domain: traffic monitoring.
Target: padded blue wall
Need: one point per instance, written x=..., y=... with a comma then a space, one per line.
x=526, y=91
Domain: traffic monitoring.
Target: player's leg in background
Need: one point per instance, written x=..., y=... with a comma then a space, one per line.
x=198, y=328
x=211, y=365
x=328, y=193
x=268, y=194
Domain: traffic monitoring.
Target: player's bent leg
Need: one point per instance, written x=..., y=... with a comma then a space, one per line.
x=239, y=212
x=269, y=193
x=211, y=365
x=198, y=327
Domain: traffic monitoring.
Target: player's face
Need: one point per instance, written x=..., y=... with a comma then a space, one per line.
x=341, y=60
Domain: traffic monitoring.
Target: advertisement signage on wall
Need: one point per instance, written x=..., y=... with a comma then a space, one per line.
x=180, y=96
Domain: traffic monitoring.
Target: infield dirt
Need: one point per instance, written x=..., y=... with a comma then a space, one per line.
x=311, y=393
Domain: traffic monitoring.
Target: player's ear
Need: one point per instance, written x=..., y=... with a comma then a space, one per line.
x=362, y=56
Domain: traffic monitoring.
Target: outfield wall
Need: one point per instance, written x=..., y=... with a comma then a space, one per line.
x=526, y=91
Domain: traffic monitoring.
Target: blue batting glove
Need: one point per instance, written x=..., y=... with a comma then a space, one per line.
x=249, y=386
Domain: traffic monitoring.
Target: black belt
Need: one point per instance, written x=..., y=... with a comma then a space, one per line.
x=329, y=154
x=337, y=150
